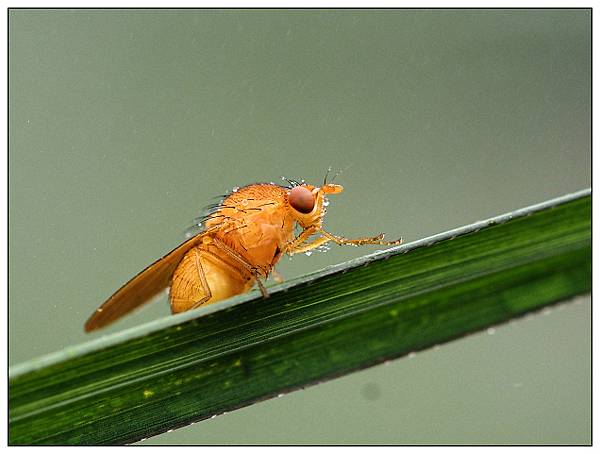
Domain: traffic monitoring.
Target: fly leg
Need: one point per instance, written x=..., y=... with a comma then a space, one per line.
x=308, y=246
x=278, y=277
x=189, y=288
x=296, y=246
x=360, y=241
x=244, y=264
x=203, y=282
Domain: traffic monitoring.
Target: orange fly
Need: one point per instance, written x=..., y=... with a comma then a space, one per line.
x=243, y=238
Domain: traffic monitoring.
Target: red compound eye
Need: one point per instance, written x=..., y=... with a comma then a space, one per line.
x=301, y=199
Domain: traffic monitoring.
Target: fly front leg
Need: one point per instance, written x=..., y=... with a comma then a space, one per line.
x=292, y=247
x=308, y=246
x=360, y=241
x=296, y=246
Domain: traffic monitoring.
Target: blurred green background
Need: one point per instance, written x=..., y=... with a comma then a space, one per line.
x=124, y=123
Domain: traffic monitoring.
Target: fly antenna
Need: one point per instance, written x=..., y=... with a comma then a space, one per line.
x=339, y=172
x=326, y=175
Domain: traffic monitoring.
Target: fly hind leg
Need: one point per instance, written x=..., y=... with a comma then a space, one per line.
x=189, y=288
x=255, y=272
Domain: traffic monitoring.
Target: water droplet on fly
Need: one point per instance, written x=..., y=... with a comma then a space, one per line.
x=309, y=253
x=325, y=202
x=236, y=189
x=323, y=248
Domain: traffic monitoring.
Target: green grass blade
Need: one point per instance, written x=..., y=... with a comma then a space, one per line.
x=168, y=373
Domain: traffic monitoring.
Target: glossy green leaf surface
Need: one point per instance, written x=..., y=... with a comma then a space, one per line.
x=185, y=368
